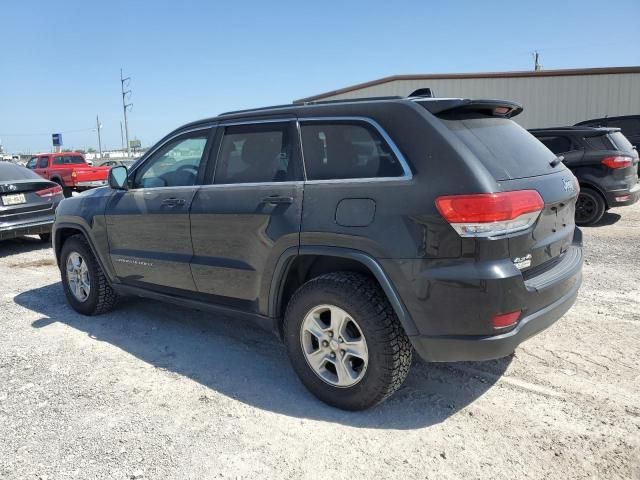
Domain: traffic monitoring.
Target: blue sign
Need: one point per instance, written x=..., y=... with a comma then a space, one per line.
x=57, y=139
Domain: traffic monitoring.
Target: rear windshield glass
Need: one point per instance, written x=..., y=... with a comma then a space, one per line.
x=621, y=142
x=10, y=172
x=505, y=148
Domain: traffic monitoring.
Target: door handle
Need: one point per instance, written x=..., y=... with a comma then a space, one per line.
x=277, y=200
x=173, y=202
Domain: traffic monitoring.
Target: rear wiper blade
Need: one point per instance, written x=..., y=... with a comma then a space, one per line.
x=557, y=160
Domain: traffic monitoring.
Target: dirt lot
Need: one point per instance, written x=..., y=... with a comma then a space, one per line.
x=156, y=391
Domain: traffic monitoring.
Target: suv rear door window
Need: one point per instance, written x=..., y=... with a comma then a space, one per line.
x=257, y=153
x=506, y=149
x=345, y=150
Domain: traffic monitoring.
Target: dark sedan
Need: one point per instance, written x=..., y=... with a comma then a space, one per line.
x=27, y=202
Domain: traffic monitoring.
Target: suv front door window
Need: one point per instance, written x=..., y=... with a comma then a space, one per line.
x=174, y=165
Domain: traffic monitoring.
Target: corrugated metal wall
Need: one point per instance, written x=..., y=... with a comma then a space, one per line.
x=548, y=101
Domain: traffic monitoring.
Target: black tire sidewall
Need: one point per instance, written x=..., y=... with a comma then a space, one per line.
x=600, y=206
x=373, y=384
x=90, y=305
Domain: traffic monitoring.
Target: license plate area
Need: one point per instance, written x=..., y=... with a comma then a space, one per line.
x=13, y=199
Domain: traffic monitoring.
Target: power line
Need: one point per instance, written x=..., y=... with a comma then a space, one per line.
x=45, y=134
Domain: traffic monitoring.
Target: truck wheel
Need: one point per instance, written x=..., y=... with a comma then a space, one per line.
x=84, y=282
x=345, y=342
x=66, y=191
x=590, y=207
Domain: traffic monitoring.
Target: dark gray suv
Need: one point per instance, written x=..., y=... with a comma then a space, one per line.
x=357, y=231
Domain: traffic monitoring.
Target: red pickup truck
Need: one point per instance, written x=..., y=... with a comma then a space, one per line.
x=69, y=170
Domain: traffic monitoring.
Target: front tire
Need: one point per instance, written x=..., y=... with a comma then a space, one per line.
x=590, y=207
x=84, y=283
x=345, y=342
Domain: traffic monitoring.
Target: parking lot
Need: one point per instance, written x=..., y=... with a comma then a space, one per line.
x=156, y=391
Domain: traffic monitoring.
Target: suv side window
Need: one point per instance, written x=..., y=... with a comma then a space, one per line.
x=558, y=145
x=31, y=164
x=343, y=149
x=43, y=162
x=57, y=160
x=257, y=153
x=176, y=164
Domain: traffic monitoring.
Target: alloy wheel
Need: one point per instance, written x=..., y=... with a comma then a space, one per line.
x=78, y=277
x=334, y=346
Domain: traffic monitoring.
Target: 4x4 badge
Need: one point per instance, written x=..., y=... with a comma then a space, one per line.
x=522, y=262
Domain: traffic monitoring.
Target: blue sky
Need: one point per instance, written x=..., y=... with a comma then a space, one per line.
x=60, y=61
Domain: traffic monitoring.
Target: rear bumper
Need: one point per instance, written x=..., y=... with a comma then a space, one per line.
x=91, y=184
x=614, y=196
x=20, y=230
x=452, y=305
x=456, y=349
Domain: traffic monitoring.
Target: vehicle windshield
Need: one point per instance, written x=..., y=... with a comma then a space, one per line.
x=73, y=160
x=621, y=142
x=11, y=172
x=506, y=149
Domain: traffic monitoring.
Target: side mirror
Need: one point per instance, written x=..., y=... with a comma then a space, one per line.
x=118, y=178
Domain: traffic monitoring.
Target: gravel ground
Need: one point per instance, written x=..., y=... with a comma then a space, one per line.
x=156, y=391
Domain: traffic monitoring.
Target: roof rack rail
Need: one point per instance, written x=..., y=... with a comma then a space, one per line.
x=258, y=109
x=344, y=100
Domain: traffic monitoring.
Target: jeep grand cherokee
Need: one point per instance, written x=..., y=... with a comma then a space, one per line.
x=358, y=231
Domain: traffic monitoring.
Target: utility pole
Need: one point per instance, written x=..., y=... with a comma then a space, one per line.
x=99, y=139
x=536, y=63
x=121, y=138
x=124, y=82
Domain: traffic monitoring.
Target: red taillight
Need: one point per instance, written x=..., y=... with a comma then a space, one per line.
x=49, y=192
x=505, y=320
x=488, y=214
x=617, y=162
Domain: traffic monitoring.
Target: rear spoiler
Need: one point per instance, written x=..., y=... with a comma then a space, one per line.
x=494, y=108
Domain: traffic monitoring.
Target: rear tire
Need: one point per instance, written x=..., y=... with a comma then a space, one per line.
x=590, y=207
x=367, y=321
x=90, y=293
x=66, y=191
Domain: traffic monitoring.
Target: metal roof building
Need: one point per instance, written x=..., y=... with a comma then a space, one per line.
x=550, y=97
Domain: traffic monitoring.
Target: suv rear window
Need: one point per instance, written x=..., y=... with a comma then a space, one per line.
x=506, y=149
x=621, y=142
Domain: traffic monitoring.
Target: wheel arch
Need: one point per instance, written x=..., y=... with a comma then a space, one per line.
x=296, y=266
x=64, y=231
x=596, y=188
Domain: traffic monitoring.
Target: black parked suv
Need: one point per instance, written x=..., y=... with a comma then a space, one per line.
x=629, y=125
x=604, y=162
x=357, y=231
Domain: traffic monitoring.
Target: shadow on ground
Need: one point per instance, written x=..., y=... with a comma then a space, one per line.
x=15, y=246
x=607, y=219
x=250, y=365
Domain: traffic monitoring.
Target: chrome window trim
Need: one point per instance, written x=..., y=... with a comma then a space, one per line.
x=254, y=184
x=407, y=173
